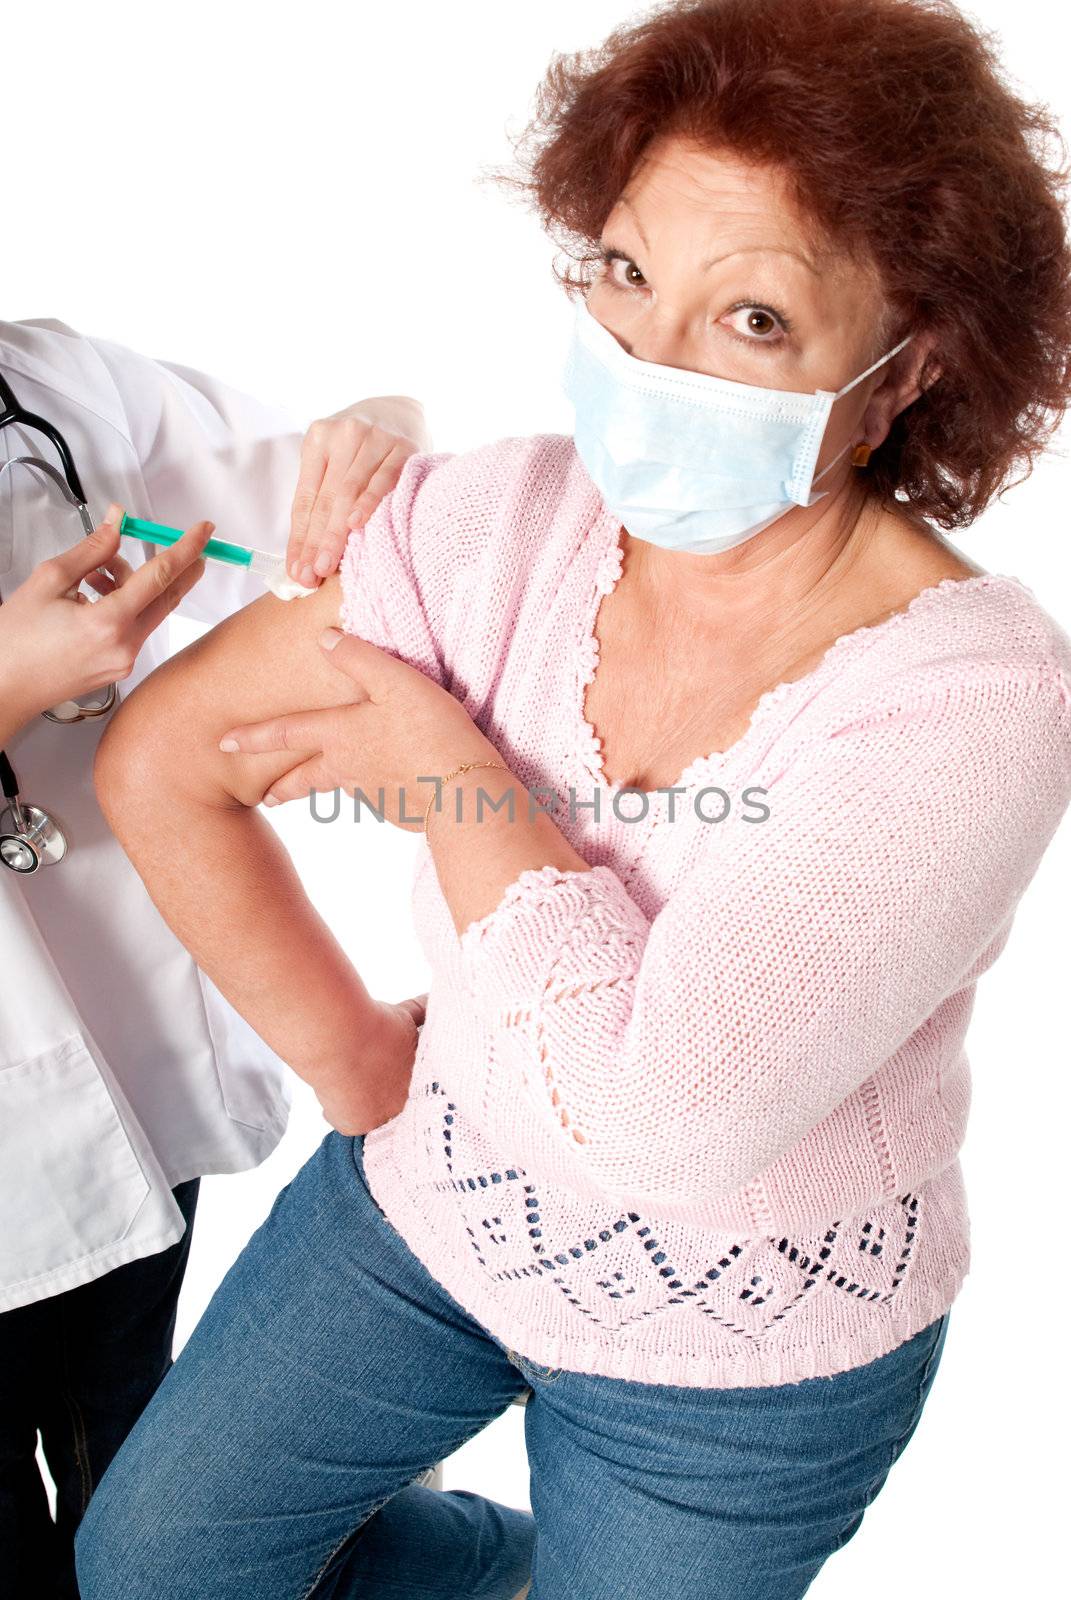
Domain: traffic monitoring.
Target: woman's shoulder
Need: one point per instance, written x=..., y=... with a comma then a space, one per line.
x=461, y=537
x=947, y=612
x=524, y=484
x=963, y=624
x=492, y=521
x=979, y=656
x=504, y=460
x=1028, y=629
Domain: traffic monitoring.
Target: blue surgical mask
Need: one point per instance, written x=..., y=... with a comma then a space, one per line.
x=686, y=460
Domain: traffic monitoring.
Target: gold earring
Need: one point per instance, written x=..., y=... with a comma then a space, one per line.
x=860, y=454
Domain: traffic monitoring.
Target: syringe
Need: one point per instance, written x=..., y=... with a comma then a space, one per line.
x=271, y=569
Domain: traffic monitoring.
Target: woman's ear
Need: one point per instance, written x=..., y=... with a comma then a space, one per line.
x=899, y=388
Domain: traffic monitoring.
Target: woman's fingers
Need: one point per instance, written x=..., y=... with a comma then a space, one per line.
x=417, y=1007
x=300, y=731
x=309, y=777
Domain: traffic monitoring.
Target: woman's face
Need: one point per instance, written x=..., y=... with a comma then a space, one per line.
x=709, y=267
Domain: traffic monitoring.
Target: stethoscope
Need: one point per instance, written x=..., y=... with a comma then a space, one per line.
x=29, y=837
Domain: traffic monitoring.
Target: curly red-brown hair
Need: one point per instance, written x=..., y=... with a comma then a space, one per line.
x=901, y=139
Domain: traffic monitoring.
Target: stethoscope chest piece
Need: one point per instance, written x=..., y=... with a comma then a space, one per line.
x=29, y=838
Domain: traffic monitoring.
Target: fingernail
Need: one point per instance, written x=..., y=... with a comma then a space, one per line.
x=228, y=744
x=330, y=637
x=324, y=563
x=113, y=515
x=270, y=800
x=295, y=570
x=307, y=576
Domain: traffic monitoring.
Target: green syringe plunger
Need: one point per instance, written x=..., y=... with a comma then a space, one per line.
x=261, y=562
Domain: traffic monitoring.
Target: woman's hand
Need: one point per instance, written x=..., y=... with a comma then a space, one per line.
x=349, y=461
x=401, y=728
x=60, y=644
x=376, y=1089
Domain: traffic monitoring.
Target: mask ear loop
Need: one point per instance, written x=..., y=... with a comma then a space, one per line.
x=829, y=464
x=836, y=396
x=874, y=365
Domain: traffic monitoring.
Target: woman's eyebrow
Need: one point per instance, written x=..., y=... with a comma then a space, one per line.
x=761, y=249
x=744, y=249
x=751, y=249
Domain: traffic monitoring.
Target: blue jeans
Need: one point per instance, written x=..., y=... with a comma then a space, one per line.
x=330, y=1369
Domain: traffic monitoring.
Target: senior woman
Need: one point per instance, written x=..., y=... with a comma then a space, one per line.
x=678, y=1147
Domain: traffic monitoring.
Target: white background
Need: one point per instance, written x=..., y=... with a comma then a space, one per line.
x=290, y=198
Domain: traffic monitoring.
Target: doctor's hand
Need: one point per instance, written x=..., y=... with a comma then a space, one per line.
x=61, y=643
x=401, y=727
x=376, y=1085
x=349, y=461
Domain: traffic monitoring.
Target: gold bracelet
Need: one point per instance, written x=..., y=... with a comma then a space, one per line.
x=466, y=766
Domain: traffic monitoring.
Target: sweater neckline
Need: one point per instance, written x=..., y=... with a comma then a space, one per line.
x=836, y=654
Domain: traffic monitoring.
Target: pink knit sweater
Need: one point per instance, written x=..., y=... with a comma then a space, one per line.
x=692, y=1117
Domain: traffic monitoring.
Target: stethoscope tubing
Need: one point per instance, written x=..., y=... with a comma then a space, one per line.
x=29, y=837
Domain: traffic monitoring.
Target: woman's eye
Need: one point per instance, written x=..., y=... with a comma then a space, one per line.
x=759, y=324
x=628, y=277
x=756, y=323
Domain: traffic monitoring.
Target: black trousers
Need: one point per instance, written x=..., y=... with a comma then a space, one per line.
x=79, y=1367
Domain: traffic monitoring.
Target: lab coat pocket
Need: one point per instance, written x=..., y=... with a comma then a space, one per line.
x=72, y=1188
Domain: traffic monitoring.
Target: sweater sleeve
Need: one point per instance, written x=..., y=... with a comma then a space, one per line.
x=402, y=574
x=683, y=1054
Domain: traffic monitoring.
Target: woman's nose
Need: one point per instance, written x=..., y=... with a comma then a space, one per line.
x=660, y=336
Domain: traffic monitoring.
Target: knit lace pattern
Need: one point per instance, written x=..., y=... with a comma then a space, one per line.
x=692, y=1115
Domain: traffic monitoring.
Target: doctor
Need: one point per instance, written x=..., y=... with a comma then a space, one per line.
x=124, y=1076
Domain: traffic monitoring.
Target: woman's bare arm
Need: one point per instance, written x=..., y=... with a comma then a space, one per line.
x=184, y=811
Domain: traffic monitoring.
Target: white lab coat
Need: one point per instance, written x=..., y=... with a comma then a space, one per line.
x=122, y=1069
